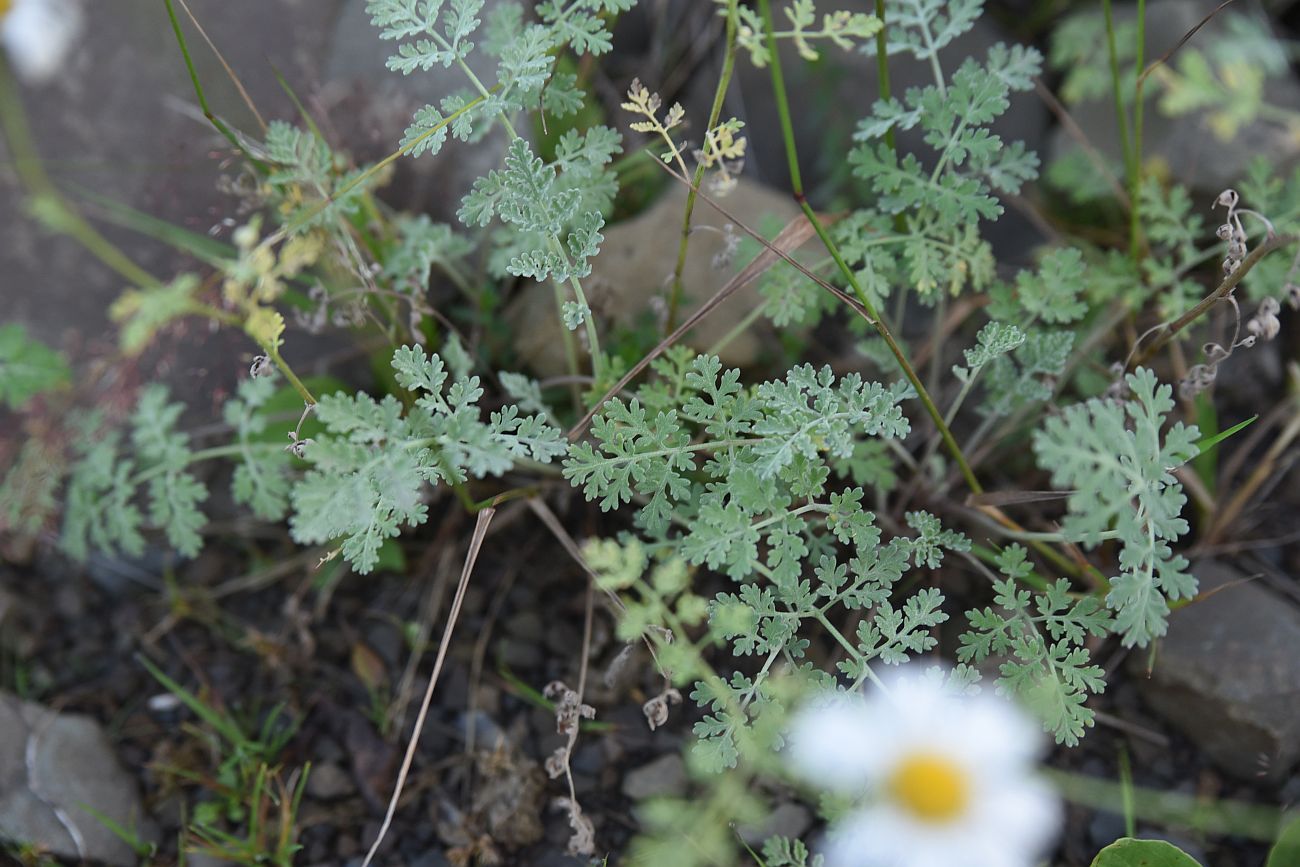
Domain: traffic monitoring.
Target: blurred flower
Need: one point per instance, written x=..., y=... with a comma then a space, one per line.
x=948, y=779
x=38, y=35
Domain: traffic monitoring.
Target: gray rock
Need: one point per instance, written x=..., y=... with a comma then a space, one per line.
x=666, y=775
x=328, y=782
x=635, y=265
x=1228, y=675
x=788, y=819
x=199, y=859
x=52, y=766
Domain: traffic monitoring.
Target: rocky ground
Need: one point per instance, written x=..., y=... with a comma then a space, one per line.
x=252, y=627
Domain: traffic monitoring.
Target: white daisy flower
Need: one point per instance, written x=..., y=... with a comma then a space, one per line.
x=38, y=35
x=945, y=779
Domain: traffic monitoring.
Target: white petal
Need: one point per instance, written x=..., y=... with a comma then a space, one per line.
x=882, y=836
x=37, y=36
x=835, y=745
x=1026, y=813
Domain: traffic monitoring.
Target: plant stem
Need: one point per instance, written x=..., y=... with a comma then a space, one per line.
x=796, y=182
x=882, y=72
x=47, y=203
x=570, y=347
x=1135, y=176
x=724, y=80
x=557, y=246
x=1121, y=116
x=273, y=353
x=891, y=135
x=1168, y=332
x=216, y=122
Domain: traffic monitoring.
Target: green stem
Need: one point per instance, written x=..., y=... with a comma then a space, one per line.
x=848, y=647
x=796, y=182
x=226, y=451
x=570, y=347
x=47, y=203
x=886, y=94
x=216, y=122
x=740, y=328
x=882, y=72
x=593, y=337
x=273, y=353
x=1135, y=172
x=724, y=80
x=1117, y=92
x=1220, y=817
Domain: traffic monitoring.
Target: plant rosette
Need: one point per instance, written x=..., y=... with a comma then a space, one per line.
x=944, y=778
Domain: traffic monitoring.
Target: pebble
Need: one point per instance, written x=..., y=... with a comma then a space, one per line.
x=788, y=819
x=1228, y=675
x=665, y=775
x=50, y=765
x=329, y=782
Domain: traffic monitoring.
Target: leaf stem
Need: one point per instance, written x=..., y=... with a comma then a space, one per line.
x=715, y=112
x=216, y=122
x=273, y=353
x=796, y=182
x=1117, y=92
x=1135, y=176
x=882, y=72
x=47, y=203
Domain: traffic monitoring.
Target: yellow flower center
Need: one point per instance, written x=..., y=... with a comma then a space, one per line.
x=932, y=787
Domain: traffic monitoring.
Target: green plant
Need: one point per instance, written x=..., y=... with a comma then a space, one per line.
x=248, y=788
x=768, y=519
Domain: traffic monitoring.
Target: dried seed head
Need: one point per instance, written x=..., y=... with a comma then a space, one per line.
x=260, y=367
x=569, y=710
x=1230, y=265
x=1293, y=296
x=1236, y=249
x=1198, y=379
x=298, y=447
x=730, y=244
x=656, y=709
x=583, y=839
x=1214, y=352
x=1228, y=199
x=556, y=762
x=1225, y=232
x=1268, y=307
x=1264, y=327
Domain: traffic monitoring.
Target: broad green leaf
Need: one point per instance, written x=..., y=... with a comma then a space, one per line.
x=27, y=367
x=1128, y=852
x=1286, y=851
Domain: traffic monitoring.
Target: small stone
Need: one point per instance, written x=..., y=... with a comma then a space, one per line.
x=526, y=625
x=1104, y=828
x=200, y=859
x=329, y=782
x=636, y=264
x=789, y=819
x=431, y=859
x=666, y=775
x=54, y=765
x=1228, y=675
